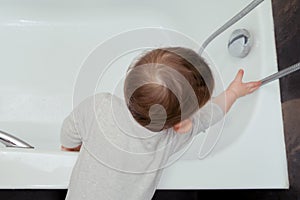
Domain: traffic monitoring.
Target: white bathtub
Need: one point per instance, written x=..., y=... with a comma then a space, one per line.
x=45, y=43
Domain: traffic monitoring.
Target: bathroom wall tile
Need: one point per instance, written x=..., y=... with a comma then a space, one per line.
x=287, y=29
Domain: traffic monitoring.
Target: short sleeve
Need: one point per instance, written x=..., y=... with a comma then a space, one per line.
x=205, y=117
x=73, y=127
x=77, y=125
x=70, y=136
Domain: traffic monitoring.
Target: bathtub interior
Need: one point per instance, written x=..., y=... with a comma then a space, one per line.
x=44, y=45
x=44, y=53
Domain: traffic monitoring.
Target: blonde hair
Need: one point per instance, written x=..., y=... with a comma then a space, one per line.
x=167, y=85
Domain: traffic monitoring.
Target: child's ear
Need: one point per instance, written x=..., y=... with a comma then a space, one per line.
x=184, y=126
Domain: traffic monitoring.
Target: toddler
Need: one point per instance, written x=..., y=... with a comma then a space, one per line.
x=125, y=144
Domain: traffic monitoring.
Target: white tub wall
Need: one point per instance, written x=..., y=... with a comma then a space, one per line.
x=31, y=169
x=44, y=44
x=48, y=42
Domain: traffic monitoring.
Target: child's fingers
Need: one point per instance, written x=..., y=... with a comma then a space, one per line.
x=253, y=89
x=253, y=84
x=71, y=149
x=239, y=76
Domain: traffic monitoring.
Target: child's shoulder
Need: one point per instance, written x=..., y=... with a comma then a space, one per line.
x=106, y=97
x=101, y=97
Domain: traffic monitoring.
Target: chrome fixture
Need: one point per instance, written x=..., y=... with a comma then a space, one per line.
x=229, y=23
x=12, y=141
x=240, y=43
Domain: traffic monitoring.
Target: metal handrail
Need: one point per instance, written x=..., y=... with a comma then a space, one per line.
x=11, y=141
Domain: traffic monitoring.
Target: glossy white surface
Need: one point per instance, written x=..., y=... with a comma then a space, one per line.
x=43, y=45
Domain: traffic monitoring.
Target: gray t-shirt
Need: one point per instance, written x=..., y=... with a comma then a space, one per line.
x=119, y=159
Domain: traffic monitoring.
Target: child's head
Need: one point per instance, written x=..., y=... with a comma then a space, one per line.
x=167, y=85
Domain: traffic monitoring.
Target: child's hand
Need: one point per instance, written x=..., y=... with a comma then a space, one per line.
x=71, y=149
x=239, y=89
x=235, y=90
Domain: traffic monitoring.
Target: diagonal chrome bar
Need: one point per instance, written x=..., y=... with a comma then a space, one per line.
x=12, y=141
x=282, y=73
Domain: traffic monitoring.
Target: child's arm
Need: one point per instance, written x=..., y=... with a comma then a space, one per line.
x=235, y=90
x=70, y=137
x=71, y=149
x=210, y=114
